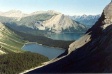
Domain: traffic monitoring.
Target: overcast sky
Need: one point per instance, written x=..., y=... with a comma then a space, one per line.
x=69, y=7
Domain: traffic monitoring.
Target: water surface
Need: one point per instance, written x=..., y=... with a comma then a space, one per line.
x=65, y=36
x=44, y=50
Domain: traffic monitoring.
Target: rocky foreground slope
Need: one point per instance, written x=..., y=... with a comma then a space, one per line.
x=91, y=53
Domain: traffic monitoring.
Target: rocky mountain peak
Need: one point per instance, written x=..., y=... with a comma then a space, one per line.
x=53, y=12
x=104, y=21
x=61, y=22
x=106, y=18
x=13, y=13
x=108, y=14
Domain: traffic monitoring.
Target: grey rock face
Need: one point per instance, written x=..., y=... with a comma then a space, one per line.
x=91, y=53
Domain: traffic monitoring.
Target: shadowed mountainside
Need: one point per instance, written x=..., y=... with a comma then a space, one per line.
x=13, y=59
x=92, y=53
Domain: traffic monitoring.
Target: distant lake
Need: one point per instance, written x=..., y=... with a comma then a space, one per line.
x=44, y=50
x=65, y=36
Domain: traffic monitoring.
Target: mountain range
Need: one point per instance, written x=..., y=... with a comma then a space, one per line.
x=44, y=21
x=13, y=59
x=13, y=13
x=92, y=53
x=88, y=20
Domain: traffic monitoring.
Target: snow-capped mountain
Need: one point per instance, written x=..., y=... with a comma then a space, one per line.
x=88, y=20
x=61, y=23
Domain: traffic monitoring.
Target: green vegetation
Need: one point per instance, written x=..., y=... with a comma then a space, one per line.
x=25, y=29
x=6, y=19
x=29, y=20
x=27, y=24
x=10, y=40
x=45, y=41
x=16, y=60
x=13, y=60
x=15, y=63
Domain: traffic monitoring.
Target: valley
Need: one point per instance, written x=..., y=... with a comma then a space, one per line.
x=10, y=52
x=54, y=42
x=12, y=39
x=92, y=53
x=51, y=41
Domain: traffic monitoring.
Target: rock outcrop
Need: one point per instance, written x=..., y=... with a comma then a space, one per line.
x=91, y=53
x=61, y=23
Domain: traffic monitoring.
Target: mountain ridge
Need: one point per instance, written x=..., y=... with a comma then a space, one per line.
x=61, y=22
x=9, y=41
x=42, y=11
x=90, y=54
x=19, y=14
x=43, y=22
x=88, y=20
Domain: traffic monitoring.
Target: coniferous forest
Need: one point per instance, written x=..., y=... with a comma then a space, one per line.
x=43, y=40
x=14, y=63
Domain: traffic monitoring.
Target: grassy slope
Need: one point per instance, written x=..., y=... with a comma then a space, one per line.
x=16, y=60
x=9, y=40
x=15, y=63
x=43, y=40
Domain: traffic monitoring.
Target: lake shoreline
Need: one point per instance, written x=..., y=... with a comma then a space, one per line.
x=42, y=45
x=50, y=52
x=65, y=36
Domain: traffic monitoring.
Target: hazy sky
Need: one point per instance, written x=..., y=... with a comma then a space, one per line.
x=69, y=7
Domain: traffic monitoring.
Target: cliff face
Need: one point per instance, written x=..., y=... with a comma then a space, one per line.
x=91, y=53
x=61, y=23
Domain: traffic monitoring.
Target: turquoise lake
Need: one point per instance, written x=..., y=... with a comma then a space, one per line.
x=65, y=36
x=49, y=52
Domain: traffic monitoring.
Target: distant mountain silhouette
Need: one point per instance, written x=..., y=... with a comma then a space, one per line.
x=88, y=20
